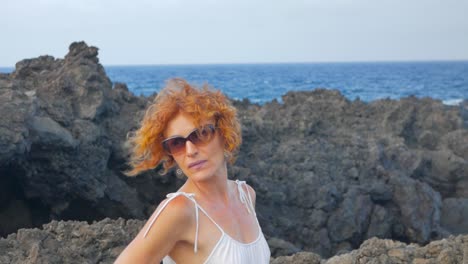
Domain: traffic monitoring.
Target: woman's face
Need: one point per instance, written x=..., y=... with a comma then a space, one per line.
x=199, y=162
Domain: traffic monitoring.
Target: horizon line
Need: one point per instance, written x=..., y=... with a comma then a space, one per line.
x=270, y=63
x=287, y=62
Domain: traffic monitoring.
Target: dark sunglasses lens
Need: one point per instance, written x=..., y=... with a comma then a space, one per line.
x=199, y=136
x=175, y=145
x=203, y=135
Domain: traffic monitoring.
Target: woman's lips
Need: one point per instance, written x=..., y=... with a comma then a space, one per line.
x=196, y=164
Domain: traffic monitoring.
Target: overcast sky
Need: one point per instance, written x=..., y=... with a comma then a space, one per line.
x=236, y=31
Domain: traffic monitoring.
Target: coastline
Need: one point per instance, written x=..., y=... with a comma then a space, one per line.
x=346, y=170
x=262, y=83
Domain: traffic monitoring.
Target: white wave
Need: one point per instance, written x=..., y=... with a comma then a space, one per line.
x=452, y=101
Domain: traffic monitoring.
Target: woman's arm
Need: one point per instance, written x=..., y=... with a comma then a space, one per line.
x=171, y=226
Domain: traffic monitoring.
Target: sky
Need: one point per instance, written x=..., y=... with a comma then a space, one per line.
x=140, y=32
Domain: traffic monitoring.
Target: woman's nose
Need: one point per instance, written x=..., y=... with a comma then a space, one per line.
x=190, y=148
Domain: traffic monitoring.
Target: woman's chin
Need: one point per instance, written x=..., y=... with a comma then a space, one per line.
x=200, y=175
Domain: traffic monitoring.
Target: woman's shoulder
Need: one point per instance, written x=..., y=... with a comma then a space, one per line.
x=246, y=187
x=171, y=222
x=177, y=204
x=175, y=210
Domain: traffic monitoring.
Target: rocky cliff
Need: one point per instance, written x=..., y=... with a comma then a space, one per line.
x=329, y=173
x=62, y=129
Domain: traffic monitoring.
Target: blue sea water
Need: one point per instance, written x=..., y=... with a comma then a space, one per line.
x=260, y=83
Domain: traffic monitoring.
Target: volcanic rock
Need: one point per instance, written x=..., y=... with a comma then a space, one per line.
x=62, y=131
x=329, y=172
x=103, y=241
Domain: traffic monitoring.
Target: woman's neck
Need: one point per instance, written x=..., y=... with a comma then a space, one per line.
x=214, y=190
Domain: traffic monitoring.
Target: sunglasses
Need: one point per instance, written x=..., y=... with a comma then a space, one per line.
x=199, y=137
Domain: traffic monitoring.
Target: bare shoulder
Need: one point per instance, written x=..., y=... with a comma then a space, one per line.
x=171, y=222
x=250, y=191
x=180, y=205
x=176, y=212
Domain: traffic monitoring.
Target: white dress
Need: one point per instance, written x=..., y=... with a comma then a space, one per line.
x=227, y=250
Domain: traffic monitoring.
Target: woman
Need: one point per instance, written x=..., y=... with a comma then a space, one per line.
x=210, y=219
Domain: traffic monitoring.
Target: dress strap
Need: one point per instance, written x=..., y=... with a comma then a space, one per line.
x=246, y=199
x=172, y=196
x=211, y=219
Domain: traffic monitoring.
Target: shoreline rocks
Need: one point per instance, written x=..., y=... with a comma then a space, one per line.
x=329, y=173
x=102, y=242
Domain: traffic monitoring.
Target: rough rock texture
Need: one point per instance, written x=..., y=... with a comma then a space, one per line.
x=69, y=242
x=61, y=133
x=453, y=250
x=102, y=242
x=329, y=172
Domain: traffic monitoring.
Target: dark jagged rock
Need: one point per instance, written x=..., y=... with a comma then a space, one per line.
x=61, y=154
x=329, y=172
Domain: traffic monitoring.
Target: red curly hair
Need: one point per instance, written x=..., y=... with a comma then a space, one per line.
x=146, y=151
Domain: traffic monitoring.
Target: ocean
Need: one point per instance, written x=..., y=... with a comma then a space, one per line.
x=260, y=83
